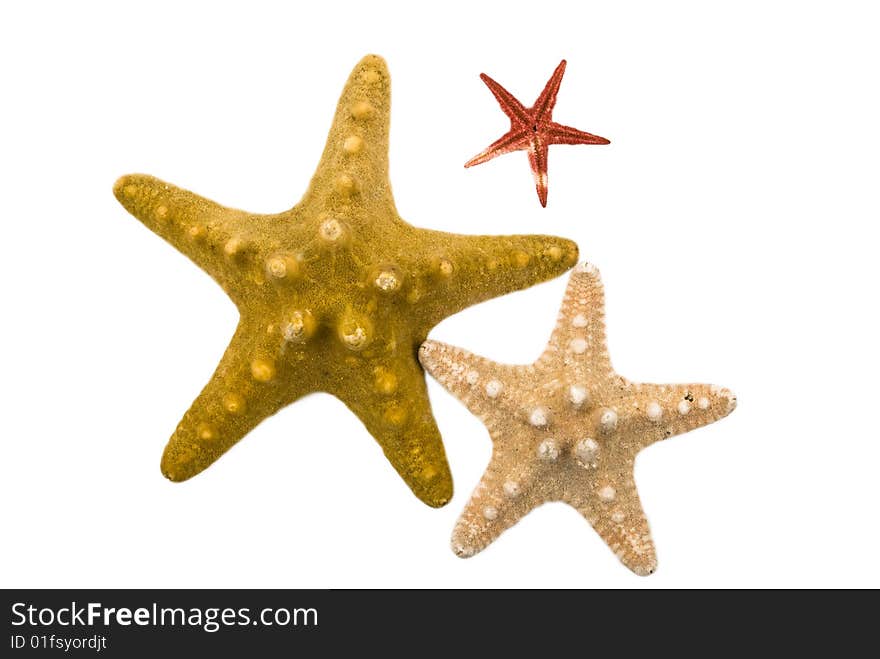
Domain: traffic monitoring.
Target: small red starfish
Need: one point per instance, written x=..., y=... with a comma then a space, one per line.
x=533, y=129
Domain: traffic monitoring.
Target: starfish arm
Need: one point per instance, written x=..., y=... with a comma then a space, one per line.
x=538, y=162
x=354, y=165
x=466, y=270
x=661, y=411
x=578, y=339
x=559, y=134
x=214, y=237
x=610, y=503
x=507, y=492
x=515, y=110
x=479, y=383
x=247, y=387
x=393, y=404
x=514, y=140
x=543, y=107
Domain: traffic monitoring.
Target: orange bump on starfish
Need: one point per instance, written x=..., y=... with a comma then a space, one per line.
x=533, y=129
x=568, y=428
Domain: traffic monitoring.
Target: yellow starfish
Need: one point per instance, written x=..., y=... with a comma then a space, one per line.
x=334, y=295
x=568, y=428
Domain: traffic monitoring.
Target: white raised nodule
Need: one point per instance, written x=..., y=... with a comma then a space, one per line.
x=579, y=321
x=608, y=420
x=276, y=267
x=472, y=377
x=355, y=338
x=587, y=450
x=539, y=417
x=493, y=388
x=577, y=395
x=548, y=450
x=654, y=411
x=490, y=512
x=684, y=407
x=578, y=346
x=331, y=230
x=703, y=403
x=387, y=281
x=511, y=488
x=298, y=328
x=354, y=330
x=607, y=494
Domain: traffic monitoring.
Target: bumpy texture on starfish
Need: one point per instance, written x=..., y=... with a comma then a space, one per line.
x=568, y=428
x=335, y=295
x=533, y=129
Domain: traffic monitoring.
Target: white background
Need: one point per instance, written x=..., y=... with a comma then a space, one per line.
x=734, y=218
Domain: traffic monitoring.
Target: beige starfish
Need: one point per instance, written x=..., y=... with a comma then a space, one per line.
x=568, y=428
